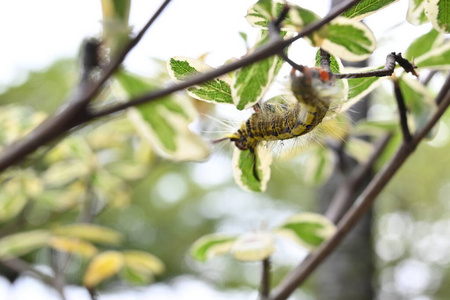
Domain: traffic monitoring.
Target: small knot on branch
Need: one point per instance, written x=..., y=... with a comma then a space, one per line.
x=408, y=66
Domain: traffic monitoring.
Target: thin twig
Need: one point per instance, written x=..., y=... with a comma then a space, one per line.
x=265, y=279
x=445, y=88
x=92, y=293
x=363, y=204
x=21, y=266
x=430, y=76
x=386, y=71
x=402, y=111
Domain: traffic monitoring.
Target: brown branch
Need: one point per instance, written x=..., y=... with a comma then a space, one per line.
x=388, y=69
x=402, y=111
x=265, y=279
x=363, y=203
x=20, y=266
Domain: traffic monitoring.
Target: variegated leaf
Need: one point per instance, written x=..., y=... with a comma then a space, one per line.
x=252, y=169
x=164, y=123
x=212, y=245
x=217, y=90
x=349, y=40
x=253, y=246
x=307, y=229
x=438, y=12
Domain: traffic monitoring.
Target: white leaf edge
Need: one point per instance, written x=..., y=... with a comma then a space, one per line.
x=360, y=17
x=265, y=158
x=432, y=12
x=216, y=249
x=328, y=230
x=435, y=52
x=253, y=246
x=414, y=12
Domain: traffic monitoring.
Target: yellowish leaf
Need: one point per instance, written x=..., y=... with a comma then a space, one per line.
x=90, y=232
x=143, y=262
x=103, y=266
x=74, y=246
x=21, y=243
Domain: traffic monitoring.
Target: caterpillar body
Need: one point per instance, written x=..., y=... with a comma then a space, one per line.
x=273, y=121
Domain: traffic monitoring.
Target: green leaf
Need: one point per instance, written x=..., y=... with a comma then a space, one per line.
x=263, y=12
x=424, y=44
x=217, y=90
x=251, y=82
x=135, y=277
x=253, y=246
x=349, y=39
x=252, y=170
x=165, y=122
x=360, y=87
x=307, y=229
x=438, y=58
x=416, y=12
x=18, y=244
x=418, y=100
x=438, y=12
x=90, y=232
x=365, y=8
x=211, y=245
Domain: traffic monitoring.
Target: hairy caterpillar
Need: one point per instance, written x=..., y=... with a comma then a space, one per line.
x=281, y=120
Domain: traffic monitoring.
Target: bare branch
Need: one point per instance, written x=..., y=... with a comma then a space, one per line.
x=21, y=266
x=402, y=111
x=265, y=279
x=363, y=204
x=386, y=71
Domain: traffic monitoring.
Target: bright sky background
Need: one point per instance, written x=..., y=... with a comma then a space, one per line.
x=35, y=33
